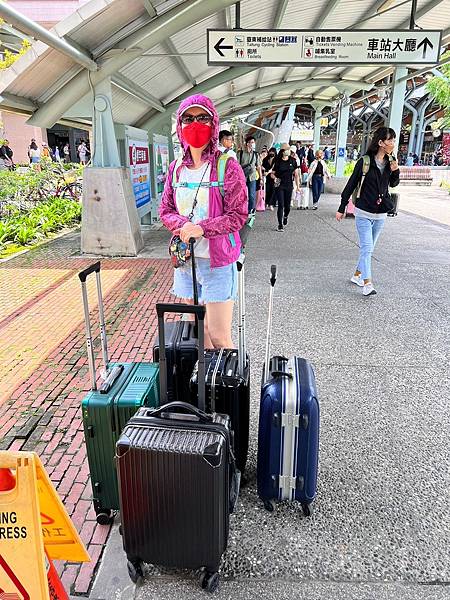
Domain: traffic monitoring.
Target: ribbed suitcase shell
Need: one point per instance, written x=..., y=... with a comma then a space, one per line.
x=181, y=354
x=232, y=396
x=276, y=437
x=105, y=415
x=167, y=517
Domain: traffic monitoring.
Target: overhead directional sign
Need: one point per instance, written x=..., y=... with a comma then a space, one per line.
x=330, y=47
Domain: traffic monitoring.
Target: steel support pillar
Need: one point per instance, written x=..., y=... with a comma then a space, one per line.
x=317, y=117
x=341, y=139
x=397, y=102
x=105, y=153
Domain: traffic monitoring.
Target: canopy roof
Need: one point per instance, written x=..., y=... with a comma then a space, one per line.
x=155, y=53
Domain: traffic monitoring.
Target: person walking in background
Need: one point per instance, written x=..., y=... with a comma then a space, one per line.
x=82, y=151
x=310, y=156
x=33, y=141
x=249, y=160
x=326, y=153
x=267, y=165
x=66, y=153
x=294, y=155
x=373, y=201
x=56, y=154
x=285, y=170
x=316, y=174
x=6, y=156
x=35, y=156
x=410, y=160
x=226, y=143
x=192, y=208
x=301, y=152
x=45, y=152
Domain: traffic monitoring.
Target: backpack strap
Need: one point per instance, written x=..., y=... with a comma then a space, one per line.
x=174, y=172
x=221, y=165
x=365, y=170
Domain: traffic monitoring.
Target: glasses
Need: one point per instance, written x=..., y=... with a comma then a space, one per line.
x=204, y=119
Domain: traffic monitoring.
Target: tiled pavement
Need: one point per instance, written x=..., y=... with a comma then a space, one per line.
x=43, y=365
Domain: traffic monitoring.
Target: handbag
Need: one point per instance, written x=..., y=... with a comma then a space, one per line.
x=276, y=182
x=179, y=251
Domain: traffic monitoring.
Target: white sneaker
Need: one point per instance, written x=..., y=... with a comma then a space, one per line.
x=368, y=289
x=358, y=279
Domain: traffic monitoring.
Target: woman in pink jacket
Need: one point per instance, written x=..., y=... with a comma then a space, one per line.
x=195, y=205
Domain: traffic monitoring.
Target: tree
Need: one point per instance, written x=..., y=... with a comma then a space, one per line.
x=9, y=57
x=439, y=88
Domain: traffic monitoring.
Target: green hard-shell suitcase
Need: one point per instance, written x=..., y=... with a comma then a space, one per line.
x=107, y=409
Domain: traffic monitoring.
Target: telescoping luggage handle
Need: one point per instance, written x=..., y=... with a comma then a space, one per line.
x=273, y=278
x=242, y=350
x=110, y=377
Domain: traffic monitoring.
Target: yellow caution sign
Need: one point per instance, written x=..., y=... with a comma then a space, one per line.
x=61, y=539
x=23, y=573
x=324, y=122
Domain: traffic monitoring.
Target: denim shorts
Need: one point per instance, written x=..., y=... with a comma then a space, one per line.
x=214, y=285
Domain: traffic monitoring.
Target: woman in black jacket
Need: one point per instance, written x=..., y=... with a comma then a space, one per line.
x=285, y=170
x=267, y=165
x=373, y=201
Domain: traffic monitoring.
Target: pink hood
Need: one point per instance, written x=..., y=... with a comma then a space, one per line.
x=212, y=147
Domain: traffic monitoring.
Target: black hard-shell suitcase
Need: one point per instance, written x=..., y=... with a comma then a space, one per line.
x=177, y=479
x=181, y=349
x=228, y=381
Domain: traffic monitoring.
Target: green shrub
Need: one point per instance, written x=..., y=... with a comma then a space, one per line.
x=23, y=226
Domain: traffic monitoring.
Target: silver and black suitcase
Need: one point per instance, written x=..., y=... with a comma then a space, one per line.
x=177, y=478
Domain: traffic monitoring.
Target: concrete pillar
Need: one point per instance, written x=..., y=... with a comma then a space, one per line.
x=284, y=133
x=110, y=222
x=341, y=139
x=397, y=101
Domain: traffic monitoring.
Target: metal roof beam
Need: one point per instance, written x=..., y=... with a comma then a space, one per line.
x=26, y=25
x=277, y=88
x=261, y=105
x=330, y=6
x=279, y=16
x=179, y=61
x=13, y=101
x=158, y=30
x=131, y=88
x=152, y=121
x=149, y=8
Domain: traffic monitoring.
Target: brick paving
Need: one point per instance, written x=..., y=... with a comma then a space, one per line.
x=44, y=370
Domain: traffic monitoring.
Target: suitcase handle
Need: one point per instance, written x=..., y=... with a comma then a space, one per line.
x=273, y=278
x=199, y=311
x=94, y=268
x=281, y=374
x=168, y=409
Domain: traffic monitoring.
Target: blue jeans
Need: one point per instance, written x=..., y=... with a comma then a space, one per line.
x=251, y=189
x=317, y=187
x=368, y=231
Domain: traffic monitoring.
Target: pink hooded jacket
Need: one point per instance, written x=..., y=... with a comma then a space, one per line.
x=226, y=215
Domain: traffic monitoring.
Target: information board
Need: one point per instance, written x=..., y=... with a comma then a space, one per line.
x=324, y=47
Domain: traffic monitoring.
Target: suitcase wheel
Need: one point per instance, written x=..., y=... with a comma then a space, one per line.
x=209, y=581
x=135, y=571
x=269, y=505
x=307, y=509
x=105, y=516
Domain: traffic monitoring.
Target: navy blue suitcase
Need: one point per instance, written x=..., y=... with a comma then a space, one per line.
x=288, y=437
